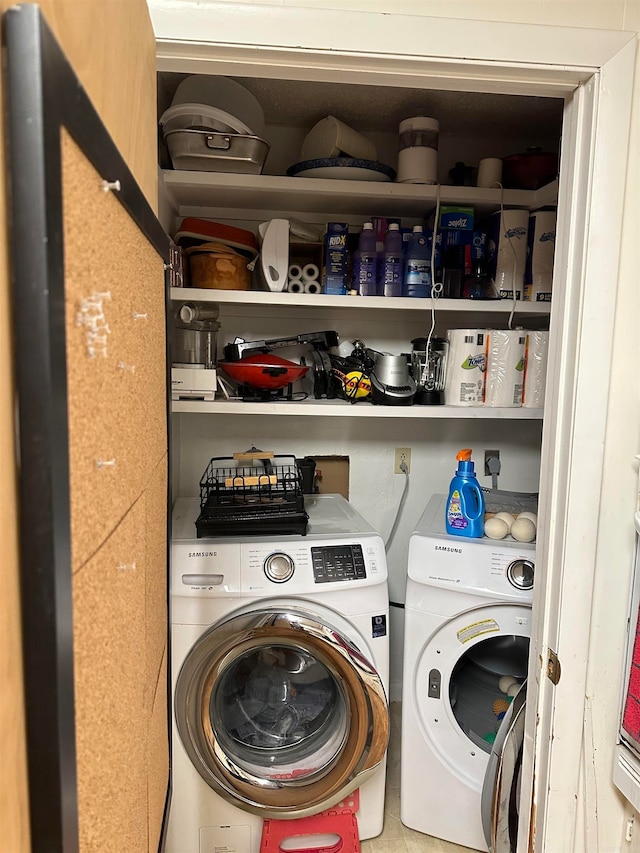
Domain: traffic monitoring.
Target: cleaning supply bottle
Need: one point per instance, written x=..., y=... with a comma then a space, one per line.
x=465, y=504
x=365, y=263
x=392, y=262
x=417, y=271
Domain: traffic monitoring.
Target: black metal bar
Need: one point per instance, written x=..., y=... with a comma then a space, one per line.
x=43, y=95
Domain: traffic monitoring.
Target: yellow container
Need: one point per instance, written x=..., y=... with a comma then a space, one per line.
x=216, y=266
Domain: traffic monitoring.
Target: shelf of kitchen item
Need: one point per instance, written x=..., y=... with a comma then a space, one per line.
x=324, y=300
x=343, y=409
x=190, y=192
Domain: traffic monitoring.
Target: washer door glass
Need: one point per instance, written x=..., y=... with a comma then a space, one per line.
x=281, y=713
x=483, y=684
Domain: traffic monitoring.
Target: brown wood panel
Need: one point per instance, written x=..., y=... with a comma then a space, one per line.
x=112, y=711
x=117, y=67
x=158, y=756
x=116, y=355
x=156, y=580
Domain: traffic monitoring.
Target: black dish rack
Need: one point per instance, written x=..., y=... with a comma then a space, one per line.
x=246, y=500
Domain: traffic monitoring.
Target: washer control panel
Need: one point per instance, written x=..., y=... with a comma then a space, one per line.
x=335, y=563
x=279, y=567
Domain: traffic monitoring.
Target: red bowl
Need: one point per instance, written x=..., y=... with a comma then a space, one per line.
x=266, y=372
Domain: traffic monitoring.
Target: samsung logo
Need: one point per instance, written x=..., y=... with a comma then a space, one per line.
x=203, y=553
x=448, y=548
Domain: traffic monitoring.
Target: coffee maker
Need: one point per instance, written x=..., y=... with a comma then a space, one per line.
x=194, y=351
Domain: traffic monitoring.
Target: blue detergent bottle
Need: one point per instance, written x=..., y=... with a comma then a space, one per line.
x=465, y=504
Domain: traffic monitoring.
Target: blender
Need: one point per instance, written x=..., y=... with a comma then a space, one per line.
x=429, y=364
x=194, y=351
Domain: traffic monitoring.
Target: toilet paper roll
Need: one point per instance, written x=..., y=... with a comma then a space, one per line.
x=312, y=287
x=507, y=251
x=295, y=285
x=535, y=369
x=541, y=244
x=505, y=368
x=310, y=272
x=466, y=364
x=295, y=271
x=489, y=172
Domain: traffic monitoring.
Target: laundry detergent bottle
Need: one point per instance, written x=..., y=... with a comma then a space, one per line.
x=465, y=504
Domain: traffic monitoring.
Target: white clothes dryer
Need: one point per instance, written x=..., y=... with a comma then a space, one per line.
x=280, y=666
x=467, y=626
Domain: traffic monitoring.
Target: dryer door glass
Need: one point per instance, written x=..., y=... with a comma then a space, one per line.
x=280, y=712
x=483, y=684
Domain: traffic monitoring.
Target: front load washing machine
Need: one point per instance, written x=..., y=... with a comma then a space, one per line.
x=280, y=665
x=467, y=629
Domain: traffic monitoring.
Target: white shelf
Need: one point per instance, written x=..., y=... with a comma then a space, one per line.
x=259, y=298
x=191, y=192
x=342, y=409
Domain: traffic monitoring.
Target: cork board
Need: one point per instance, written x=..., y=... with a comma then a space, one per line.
x=116, y=354
x=111, y=699
x=156, y=619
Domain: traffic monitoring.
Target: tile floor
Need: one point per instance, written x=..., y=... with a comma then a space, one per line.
x=395, y=837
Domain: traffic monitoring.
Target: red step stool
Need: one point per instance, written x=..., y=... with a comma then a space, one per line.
x=339, y=820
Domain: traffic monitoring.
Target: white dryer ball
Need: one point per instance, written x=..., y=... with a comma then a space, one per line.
x=530, y=515
x=505, y=516
x=513, y=689
x=523, y=529
x=495, y=528
x=506, y=682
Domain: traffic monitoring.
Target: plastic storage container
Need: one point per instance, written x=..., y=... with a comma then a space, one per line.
x=392, y=277
x=417, y=270
x=365, y=263
x=465, y=503
x=418, y=155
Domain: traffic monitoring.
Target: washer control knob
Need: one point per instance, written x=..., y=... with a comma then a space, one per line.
x=279, y=567
x=520, y=574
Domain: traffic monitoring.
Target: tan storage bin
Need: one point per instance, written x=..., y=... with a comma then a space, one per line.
x=213, y=265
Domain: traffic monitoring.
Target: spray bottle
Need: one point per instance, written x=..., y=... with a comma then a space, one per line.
x=465, y=504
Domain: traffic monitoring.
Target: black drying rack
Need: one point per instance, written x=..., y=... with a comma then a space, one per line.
x=264, y=497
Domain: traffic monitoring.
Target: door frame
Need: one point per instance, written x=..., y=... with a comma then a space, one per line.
x=593, y=71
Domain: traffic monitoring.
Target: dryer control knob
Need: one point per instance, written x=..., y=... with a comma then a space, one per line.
x=520, y=574
x=279, y=567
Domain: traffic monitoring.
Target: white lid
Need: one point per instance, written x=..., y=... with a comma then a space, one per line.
x=331, y=137
x=224, y=94
x=417, y=229
x=419, y=123
x=393, y=226
x=185, y=115
x=368, y=226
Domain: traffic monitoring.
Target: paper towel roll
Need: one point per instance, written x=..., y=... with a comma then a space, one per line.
x=295, y=285
x=489, y=172
x=295, y=271
x=507, y=251
x=310, y=272
x=505, y=368
x=541, y=241
x=466, y=363
x=535, y=369
x=312, y=287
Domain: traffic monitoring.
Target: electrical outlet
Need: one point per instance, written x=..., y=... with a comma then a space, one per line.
x=489, y=454
x=403, y=454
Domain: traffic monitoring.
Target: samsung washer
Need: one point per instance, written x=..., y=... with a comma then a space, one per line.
x=467, y=624
x=280, y=661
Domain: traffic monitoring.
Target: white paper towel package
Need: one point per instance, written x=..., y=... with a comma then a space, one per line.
x=466, y=364
x=535, y=369
x=505, y=368
x=541, y=244
x=507, y=252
